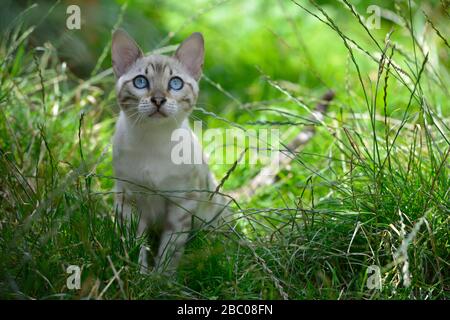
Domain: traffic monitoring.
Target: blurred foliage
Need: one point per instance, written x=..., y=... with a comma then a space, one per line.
x=275, y=35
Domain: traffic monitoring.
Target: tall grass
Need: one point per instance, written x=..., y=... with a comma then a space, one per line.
x=371, y=189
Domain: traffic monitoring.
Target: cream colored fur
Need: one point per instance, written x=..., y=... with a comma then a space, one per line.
x=167, y=196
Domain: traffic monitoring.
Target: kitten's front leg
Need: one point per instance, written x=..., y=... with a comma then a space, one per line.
x=178, y=224
x=124, y=207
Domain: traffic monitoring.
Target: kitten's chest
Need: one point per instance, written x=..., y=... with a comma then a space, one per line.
x=152, y=167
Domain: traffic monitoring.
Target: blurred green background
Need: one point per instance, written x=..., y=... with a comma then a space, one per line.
x=276, y=36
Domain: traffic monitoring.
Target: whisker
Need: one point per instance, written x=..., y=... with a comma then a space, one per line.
x=136, y=120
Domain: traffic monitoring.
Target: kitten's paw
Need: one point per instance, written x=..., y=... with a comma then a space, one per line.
x=143, y=260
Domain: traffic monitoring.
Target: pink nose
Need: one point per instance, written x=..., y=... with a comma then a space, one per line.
x=158, y=101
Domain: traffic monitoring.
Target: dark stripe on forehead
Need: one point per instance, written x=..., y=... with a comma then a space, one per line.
x=162, y=67
x=158, y=67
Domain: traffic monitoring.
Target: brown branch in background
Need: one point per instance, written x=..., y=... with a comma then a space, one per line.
x=268, y=175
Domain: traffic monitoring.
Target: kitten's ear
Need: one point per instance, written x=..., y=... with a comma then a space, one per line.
x=124, y=52
x=191, y=53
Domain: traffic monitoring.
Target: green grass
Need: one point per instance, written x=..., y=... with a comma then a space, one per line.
x=373, y=180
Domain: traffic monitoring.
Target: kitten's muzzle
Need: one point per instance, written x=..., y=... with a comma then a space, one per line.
x=158, y=101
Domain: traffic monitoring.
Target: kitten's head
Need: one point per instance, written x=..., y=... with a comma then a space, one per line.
x=155, y=87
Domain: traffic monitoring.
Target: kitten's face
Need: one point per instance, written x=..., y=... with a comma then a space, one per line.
x=157, y=88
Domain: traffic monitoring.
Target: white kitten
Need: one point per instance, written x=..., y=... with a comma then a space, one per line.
x=156, y=95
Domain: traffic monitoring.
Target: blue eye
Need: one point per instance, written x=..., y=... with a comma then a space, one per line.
x=176, y=83
x=140, y=82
